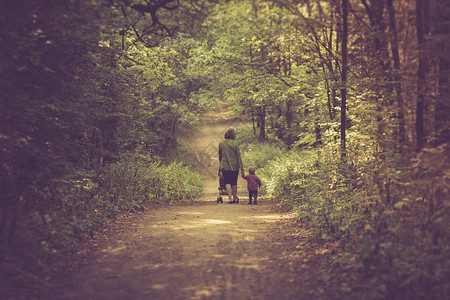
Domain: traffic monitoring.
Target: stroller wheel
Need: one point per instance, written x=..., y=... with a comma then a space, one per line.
x=219, y=200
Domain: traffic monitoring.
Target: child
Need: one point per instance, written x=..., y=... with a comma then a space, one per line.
x=253, y=182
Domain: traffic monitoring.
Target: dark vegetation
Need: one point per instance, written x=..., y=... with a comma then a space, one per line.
x=90, y=120
x=348, y=100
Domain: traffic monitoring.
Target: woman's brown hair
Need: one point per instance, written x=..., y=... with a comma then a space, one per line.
x=230, y=134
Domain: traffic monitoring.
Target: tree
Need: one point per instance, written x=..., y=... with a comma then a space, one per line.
x=396, y=72
x=80, y=91
x=442, y=107
x=344, y=78
x=422, y=31
x=43, y=74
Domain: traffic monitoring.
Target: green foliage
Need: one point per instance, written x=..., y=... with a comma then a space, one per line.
x=134, y=181
x=92, y=89
x=392, y=221
x=88, y=201
x=79, y=93
x=245, y=137
x=389, y=209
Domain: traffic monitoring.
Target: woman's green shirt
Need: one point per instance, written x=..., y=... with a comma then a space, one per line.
x=229, y=156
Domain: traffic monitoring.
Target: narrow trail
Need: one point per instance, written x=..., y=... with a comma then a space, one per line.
x=201, y=250
x=204, y=145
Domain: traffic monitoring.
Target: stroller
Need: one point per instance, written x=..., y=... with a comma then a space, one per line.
x=222, y=188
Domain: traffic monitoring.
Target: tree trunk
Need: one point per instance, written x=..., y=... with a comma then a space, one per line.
x=442, y=106
x=289, y=116
x=442, y=109
x=254, y=125
x=318, y=133
x=397, y=77
x=421, y=74
x=344, y=78
x=262, y=124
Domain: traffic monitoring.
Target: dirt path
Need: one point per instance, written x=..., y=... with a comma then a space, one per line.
x=201, y=250
x=204, y=145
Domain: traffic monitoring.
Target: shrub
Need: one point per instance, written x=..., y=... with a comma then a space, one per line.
x=85, y=202
x=259, y=155
x=392, y=220
x=133, y=181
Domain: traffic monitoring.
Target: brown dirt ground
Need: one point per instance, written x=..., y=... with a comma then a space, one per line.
x=201, y=249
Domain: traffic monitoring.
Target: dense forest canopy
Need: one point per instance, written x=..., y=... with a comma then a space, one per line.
x=348, y=99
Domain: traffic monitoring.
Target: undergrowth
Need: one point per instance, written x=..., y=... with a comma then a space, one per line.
x=86, y=202
x=390, y=213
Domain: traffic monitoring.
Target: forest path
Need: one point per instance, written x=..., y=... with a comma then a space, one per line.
x=204, y=145
x=201, y=250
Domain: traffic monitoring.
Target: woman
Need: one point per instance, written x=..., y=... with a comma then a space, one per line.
x=230, y=164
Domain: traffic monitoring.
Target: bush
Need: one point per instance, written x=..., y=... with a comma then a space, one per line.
x=86, y=202
x=133, y=182
x=258, y=156
x=393, y=221
x=245, y=136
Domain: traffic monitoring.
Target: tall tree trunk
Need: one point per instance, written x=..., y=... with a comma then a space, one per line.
x=329, y=68
x=381, y=74
x=397, y=77
x=344, y=79
x=330, y=109
x=421, y=73
x=254, y=125
x=317, y=129
x=330, y=100
x=262, y=124
x=442, y=106
x=289, y=116
x=442, y=109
